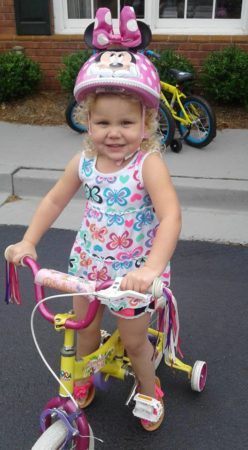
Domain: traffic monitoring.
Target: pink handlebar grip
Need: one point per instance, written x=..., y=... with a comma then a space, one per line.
x=63, y=282
x=39, y=293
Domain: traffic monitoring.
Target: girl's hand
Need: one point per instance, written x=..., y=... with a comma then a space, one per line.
x=139, y=280
x=15, y=253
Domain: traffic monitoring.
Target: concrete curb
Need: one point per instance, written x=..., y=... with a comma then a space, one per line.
x=192, y=192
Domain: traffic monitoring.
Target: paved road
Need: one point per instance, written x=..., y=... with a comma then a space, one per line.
x=210, y=283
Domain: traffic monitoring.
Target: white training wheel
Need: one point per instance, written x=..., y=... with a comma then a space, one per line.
x=199, y=376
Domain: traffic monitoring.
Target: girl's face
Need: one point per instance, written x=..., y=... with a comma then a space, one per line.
x=116, y=126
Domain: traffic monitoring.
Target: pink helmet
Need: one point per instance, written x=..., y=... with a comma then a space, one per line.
x=122, y=71
x=118, y=70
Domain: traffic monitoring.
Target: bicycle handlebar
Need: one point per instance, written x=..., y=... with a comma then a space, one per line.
x=108, y=293
x=151, y=53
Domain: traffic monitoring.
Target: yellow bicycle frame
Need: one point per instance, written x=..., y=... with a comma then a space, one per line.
x=109, y=358
x=176, y=98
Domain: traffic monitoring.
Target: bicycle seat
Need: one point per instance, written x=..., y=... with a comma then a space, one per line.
x=180, y=76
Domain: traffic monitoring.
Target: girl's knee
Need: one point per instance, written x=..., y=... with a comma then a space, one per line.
x=135, y=346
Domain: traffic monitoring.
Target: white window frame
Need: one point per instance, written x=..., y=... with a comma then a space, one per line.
x=159, y=26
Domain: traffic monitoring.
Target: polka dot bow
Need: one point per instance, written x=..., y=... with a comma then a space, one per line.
x=103, y=35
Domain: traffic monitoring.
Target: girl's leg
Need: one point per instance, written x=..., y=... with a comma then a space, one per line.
x=88, y=339
x=133, y=334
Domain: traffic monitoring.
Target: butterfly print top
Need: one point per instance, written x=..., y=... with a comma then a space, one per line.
x=119, y=222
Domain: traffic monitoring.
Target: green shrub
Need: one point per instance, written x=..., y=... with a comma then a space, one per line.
x=169, y=59
x=19, y=75
x=72, y=64
x=224, y=76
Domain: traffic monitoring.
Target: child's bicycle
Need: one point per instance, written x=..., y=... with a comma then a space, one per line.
x=63, y=425
x=194, y=117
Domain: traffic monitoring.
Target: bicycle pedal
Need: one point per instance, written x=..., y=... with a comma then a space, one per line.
x=147, y=408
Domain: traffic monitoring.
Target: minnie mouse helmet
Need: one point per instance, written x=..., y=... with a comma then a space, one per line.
x=118, y=70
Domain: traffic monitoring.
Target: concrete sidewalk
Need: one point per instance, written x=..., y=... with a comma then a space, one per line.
x=212, y=183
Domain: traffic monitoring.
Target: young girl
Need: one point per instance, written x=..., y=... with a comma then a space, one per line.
x=131, y=221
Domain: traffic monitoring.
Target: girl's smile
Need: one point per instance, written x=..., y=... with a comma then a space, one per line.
x=116, y=126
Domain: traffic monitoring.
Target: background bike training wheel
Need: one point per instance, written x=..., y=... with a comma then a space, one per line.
x=54, y=436
x=166, y=125
x=176, y=145
x=203, y=128
x=71, y=117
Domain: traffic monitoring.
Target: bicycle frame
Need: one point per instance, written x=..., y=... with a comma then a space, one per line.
x=109, y=359
x=177, y=94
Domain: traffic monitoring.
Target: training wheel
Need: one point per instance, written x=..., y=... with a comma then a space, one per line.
x=176, y=145
x=199, y=376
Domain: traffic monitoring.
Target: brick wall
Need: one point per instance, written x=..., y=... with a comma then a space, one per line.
x=49, y=50
x=7, y=17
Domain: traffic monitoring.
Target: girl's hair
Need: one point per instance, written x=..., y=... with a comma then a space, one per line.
x=149, y=144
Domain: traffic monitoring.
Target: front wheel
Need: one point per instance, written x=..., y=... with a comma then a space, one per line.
x=54, y=438
x=71, y=115
x=202, y=129
x=166, y=125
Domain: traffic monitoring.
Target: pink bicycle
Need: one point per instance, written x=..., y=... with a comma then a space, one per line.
x=63, y=424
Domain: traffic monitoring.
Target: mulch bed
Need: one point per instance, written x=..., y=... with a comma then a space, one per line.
x=48, y=108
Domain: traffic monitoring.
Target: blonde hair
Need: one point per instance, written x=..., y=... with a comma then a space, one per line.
x=149, y=144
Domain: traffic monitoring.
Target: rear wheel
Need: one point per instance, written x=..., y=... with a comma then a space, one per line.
x=54, y=437
x=71, y=114
x=203, y=122
x=166, y=125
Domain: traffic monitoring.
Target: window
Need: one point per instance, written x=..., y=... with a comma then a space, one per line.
x=200, y=9
x=81, y=9
x=164, y=16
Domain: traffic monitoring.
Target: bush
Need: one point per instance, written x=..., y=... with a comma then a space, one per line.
x=169, y=59
x=72, y=64
x=224, y=76
x=19, y=75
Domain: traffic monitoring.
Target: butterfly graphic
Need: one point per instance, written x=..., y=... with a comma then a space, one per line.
x=119, y=241
x=118, y=197
x=99, y=275
x=85, y=260
x=130, y=255
x=136, y=178
x=147, y=201
x=94, y=214
x=85, y=239
x=140, y=261
x=98, y=233
x=151, y=234
x=87, y=166
x=92, y=193
x=117, y=265
x=143, y=218
x=110, y=180
x=114, y=218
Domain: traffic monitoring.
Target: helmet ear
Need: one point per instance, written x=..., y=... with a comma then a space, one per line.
x=146, y=35
x=88, y=35
x=145, y=32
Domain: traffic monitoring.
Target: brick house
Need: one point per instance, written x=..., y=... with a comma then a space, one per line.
x=48, y=29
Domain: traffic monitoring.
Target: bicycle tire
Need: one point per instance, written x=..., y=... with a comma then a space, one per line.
x=71, y=117
x=204, y=130
x=54, y=437
x=166, y=125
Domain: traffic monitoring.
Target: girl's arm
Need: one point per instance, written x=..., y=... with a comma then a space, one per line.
x=47, y=212
x=159, y=186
